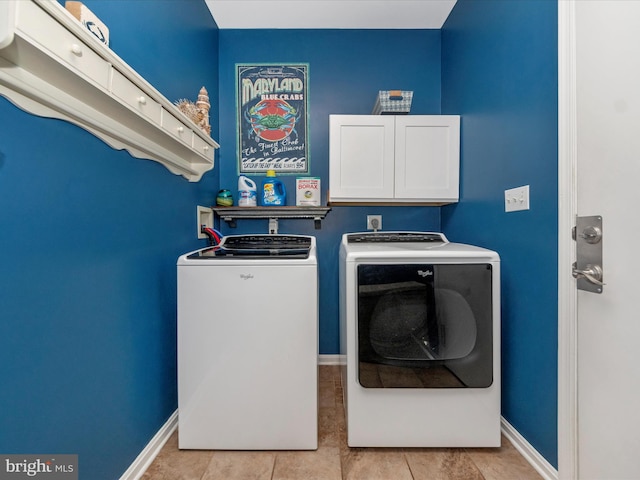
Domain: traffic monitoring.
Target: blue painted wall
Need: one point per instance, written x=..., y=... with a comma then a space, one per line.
x=347, y=68
x=499, y=71
x=90, y=237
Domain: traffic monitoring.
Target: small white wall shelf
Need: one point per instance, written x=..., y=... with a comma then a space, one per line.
x=51, y=66
x=231, y=214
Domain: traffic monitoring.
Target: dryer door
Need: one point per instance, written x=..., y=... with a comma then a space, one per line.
x=425, y=325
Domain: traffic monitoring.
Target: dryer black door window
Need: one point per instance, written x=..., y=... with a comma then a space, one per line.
x=425, y=325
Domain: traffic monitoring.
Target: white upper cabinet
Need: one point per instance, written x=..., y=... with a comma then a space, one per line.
x=51, y=66
x=361, y=157
x=394, y=159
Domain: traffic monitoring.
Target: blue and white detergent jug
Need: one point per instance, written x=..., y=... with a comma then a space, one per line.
x=247, y=194
x=273, y=191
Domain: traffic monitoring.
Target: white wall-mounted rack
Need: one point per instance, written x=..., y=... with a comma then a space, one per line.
x=51, y=66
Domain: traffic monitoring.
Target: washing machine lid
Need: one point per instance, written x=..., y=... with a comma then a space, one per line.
x=258, y=246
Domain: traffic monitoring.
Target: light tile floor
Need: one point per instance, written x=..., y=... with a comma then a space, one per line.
x=334, y=460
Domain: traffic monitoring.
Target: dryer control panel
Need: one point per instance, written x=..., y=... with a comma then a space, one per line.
x=396, y=237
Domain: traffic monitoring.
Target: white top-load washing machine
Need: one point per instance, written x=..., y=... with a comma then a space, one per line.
x=420, y=329
x=248, y=344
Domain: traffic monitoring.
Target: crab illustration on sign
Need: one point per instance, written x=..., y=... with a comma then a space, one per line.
x=272, y=120
x=272, y=102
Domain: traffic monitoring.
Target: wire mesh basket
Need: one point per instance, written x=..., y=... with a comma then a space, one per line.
x=393, y=102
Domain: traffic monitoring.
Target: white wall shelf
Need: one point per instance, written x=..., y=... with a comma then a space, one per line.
x=51, y=66
x=231, y=214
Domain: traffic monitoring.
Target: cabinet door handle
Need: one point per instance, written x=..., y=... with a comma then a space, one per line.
x=76, y=50
x=180, y=129
x=142, y=100
x=206, y=148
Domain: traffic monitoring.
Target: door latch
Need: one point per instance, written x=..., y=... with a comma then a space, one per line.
x=587, y=268
x=593, y=273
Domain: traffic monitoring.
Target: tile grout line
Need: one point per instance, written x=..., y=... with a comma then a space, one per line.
x=468, y=454
x=273, y=467
x=406, y=460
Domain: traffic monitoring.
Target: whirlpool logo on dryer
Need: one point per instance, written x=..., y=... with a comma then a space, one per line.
x=246, y=276
x=425, y=273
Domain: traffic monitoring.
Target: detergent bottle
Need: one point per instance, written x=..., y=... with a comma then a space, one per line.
x=273, y=192
x=247, y=193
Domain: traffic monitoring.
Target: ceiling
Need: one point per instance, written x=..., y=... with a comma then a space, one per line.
x=326, y=14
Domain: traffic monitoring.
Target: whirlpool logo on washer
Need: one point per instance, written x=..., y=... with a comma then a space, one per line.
x=246, y=276
x=425, y=273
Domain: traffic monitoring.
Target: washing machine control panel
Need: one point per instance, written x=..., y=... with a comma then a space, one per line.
x=246, y=242
x=258, y=246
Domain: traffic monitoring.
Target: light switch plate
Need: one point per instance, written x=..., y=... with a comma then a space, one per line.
x=516, y=199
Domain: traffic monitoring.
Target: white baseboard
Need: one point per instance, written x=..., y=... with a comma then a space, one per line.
x=332, y=359
x=530, y=454
x=149, y=453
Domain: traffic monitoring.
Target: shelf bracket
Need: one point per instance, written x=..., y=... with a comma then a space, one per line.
x=273, y=225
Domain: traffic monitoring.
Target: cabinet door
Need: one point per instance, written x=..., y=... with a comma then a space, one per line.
x=427, y=152
x=361, y=157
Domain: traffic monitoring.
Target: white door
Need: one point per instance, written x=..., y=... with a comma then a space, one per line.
x=599, y=419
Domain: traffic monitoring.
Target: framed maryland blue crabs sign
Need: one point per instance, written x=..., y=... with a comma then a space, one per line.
x=272, y=109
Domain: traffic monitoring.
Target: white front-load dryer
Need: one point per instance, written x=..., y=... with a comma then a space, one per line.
x=248, y=344
x=420, y=330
